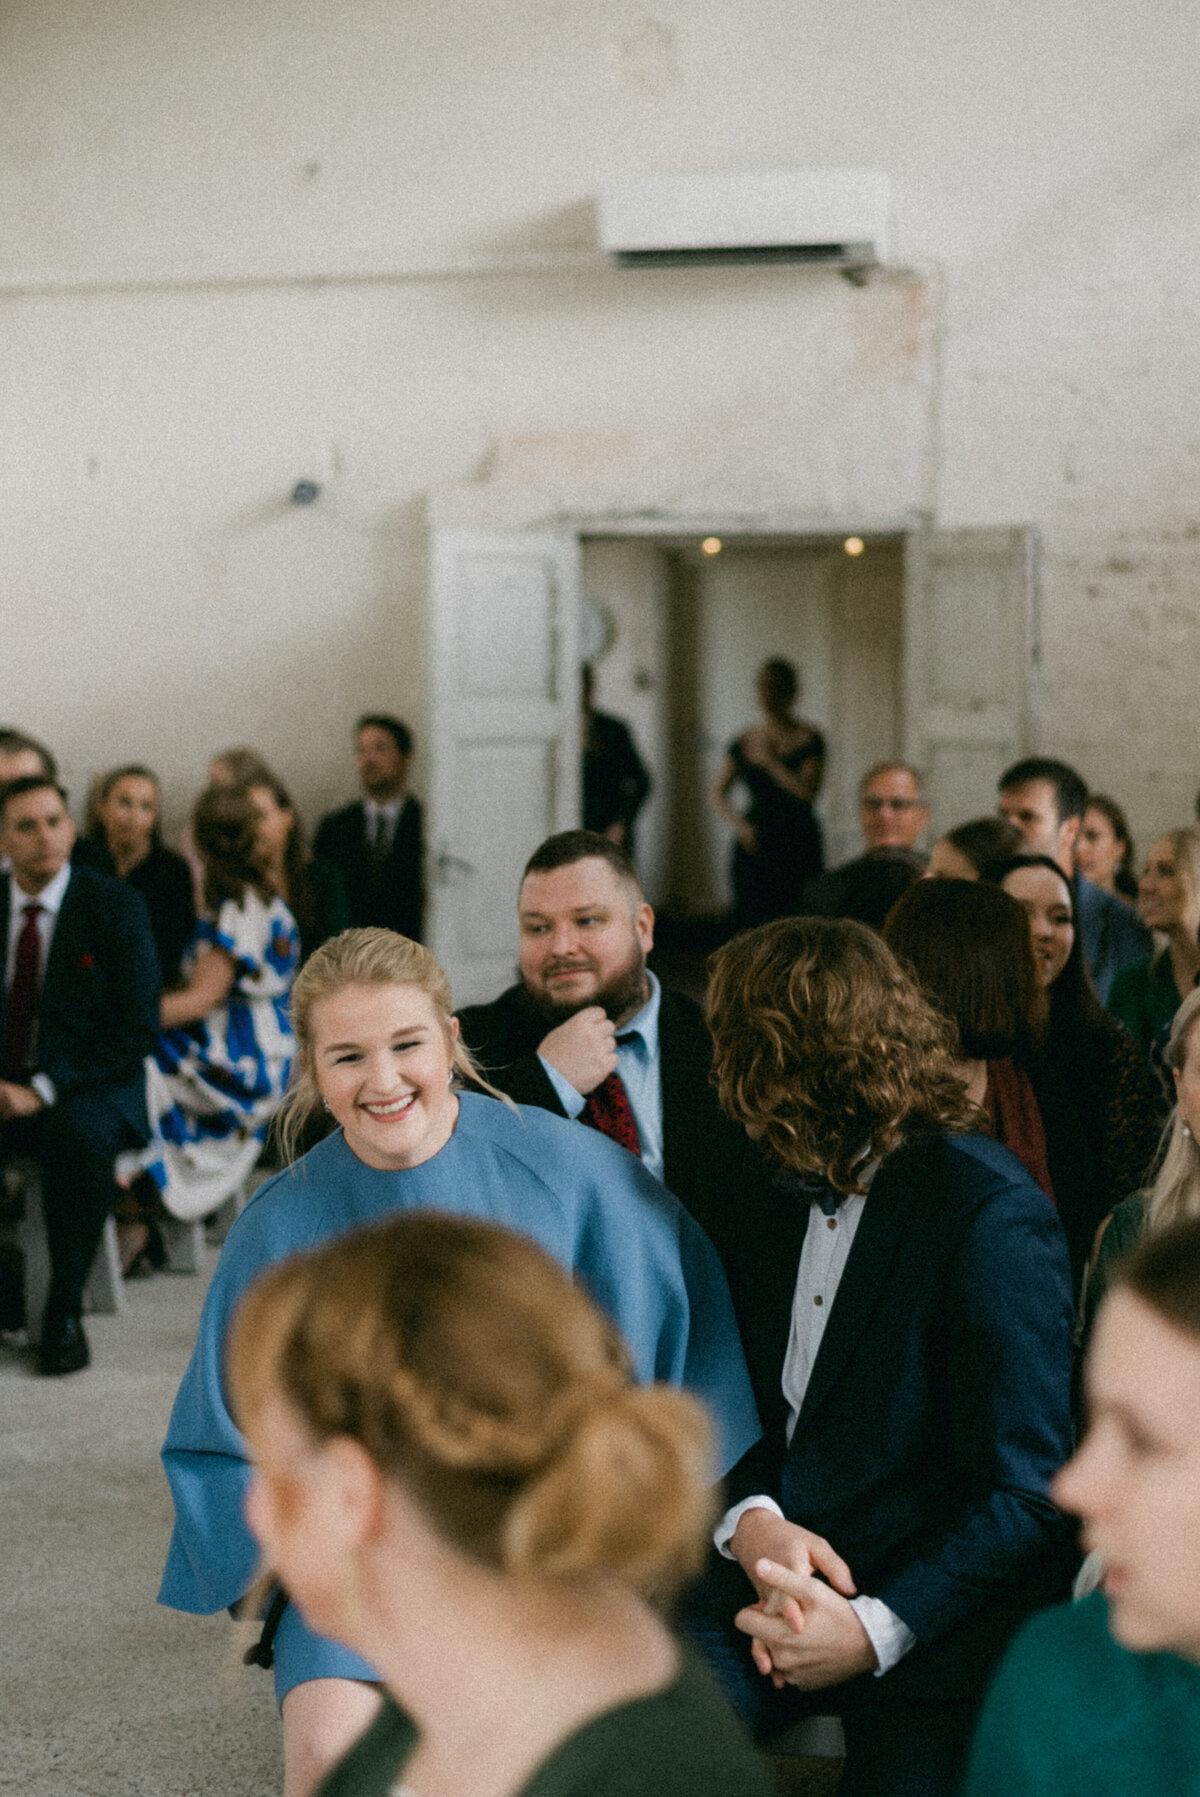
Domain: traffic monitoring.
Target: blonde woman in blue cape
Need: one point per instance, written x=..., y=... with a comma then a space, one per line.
x=378, y=1048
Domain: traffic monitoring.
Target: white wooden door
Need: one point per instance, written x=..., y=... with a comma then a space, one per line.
x=504, y=737
x=970, y=663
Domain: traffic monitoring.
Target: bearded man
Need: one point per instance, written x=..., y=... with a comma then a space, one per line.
x=590, y=1033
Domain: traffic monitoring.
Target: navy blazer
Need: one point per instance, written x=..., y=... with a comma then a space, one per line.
x=98, y=1012
x=939, y=1402
x=395, y=901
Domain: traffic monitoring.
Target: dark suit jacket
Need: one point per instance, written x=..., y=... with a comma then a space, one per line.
x=615, y=781
x=1111, y=932
x=394, y=901
x=98, y=1014
x=939, y=1403
x=705, y=1156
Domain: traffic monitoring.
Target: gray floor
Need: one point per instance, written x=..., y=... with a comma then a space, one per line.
x=102, y=1693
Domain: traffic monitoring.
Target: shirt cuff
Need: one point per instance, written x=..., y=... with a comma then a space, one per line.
x=572, y=1101
x=890, y=1637
x=45, y=1088
x=726, y=1529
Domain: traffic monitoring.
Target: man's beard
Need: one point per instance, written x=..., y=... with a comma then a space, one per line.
x=624, y=995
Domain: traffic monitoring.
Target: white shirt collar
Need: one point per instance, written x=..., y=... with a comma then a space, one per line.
x=50, y=898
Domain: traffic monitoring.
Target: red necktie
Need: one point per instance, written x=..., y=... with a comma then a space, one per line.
x=22, y=998
x=608, y=1109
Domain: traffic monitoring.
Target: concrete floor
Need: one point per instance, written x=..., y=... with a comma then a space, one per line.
x=102, y=1692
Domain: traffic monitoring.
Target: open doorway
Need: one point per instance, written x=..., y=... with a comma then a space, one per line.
x=677, y=634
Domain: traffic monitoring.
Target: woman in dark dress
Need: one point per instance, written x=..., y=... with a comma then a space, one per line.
x=124, y=840
x=781, y=763
x=309, y=886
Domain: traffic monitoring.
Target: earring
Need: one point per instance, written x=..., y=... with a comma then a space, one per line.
x=1187, y=1130
x=325, y=1102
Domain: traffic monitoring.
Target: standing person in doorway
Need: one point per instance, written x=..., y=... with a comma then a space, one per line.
x=781, y=763
x=615, y=782
x=376, y=842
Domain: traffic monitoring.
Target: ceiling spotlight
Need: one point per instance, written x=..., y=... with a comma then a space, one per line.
x=853, y=545
x=711, y=546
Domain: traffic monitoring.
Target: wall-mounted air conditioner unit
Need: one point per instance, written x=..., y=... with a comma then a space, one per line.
x=838, y=217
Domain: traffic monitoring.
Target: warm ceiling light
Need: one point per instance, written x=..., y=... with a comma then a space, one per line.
x=853, y=545
x=711, y=545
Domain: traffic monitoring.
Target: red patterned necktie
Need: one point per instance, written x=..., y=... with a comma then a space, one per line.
x=22, y=998
x=608, y=1109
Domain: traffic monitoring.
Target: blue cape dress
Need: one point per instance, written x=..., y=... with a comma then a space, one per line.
x=588, y=1202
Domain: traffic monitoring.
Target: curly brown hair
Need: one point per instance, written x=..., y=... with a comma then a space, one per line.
x=824, y=1048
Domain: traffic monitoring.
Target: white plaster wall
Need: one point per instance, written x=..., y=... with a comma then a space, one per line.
x=251, y=243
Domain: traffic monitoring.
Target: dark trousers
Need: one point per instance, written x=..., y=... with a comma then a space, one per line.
x=75, y=1143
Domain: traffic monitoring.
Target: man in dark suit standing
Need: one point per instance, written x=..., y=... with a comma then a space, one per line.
x=615, y=782
x=589, y=1033
x=81, y=985
x=905, y=1303
x=376, y=843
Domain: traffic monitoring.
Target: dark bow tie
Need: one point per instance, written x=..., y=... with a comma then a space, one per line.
x=809, y=1191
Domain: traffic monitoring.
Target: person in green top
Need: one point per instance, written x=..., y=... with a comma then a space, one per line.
x=456, y=1477
x=1175, y=1192
x=1102, y=1698
x=1146, y=995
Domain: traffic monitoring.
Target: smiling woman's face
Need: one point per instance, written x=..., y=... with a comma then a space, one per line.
x=382, y=1063
x=1046, y=900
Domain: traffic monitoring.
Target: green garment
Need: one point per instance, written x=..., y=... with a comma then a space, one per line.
x=1072, y=1714
x=1145, y=997
x=1125, y=1225
x=683, y=1741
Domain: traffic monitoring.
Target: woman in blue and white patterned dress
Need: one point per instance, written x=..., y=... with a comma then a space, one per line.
x=225, y=1052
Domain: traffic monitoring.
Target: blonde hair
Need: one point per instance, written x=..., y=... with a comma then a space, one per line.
x=826, y=1048
x=464, y=1361
x=369, y=957
x=1176, y=1189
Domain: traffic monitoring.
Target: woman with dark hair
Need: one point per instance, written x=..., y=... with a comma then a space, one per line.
x=223, y=1059
x=974, y=850
x=1104, y=848
x=1102, y=1698
x=904, y=1298
x=309, y=886
x=457, y=1477
x=781, y=763
x=1099, y=1101
x=968, y=945
x=124, y=840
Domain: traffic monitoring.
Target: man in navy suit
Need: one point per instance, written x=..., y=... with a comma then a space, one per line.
x=905, y=1303
x=376, y=843
x=1046, y=801
x=80, y=983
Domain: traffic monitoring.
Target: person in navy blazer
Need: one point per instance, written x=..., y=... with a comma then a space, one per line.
x=78, y=1098
x=905, y=1302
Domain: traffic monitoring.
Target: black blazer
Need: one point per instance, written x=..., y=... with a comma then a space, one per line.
x=939, y=1403
x=98, y=1014
x=705, y=1156
x=395, y=900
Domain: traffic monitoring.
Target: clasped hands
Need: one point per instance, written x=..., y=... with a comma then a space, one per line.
x=803, y=1630
x=18, y=1101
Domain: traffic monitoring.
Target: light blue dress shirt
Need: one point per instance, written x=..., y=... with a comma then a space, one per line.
x=639, y=1062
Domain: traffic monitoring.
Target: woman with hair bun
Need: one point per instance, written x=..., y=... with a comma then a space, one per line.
x=456, y=1476
x=379, y=1054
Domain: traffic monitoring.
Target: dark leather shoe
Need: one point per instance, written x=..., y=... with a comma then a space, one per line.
x=64, y=1348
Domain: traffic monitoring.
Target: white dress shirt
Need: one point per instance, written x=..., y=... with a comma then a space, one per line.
x=389, y=814
x=50, y=899
x=827, y=1245
x=639, y=1062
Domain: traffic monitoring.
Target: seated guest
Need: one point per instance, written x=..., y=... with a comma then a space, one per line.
x=377, y=1046
x=1147, y=994
x=222, y=1061
x=1104, y=848
x=80, y=977
x=967, y=943
x=589, y=1033
x=1102, y=1698
x=614, y=778
x=974, y=850
x=22, y=756
x=1098, y=1099
x=449, y=1447
x=376, y=843
x=892, y=816
x=1175, y=1192
x=906, y=1307
x=1045, y=800
x=310, y=887
x=124, y=840
x=239, y=767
